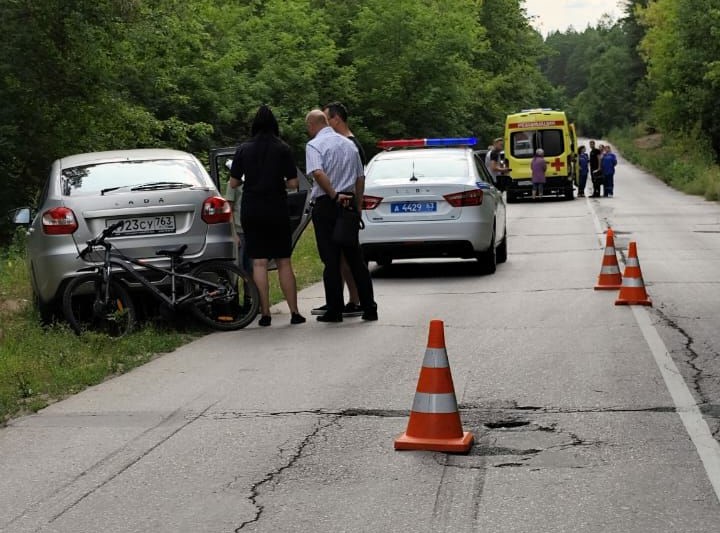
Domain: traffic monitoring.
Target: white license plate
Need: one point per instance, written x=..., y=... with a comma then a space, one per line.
x=145, y=225
x=525, y=183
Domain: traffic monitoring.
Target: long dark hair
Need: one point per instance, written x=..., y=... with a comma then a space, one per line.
x=265, y=122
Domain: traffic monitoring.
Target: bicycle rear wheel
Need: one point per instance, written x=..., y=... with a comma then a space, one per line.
x=231, y=307
x=86, y=309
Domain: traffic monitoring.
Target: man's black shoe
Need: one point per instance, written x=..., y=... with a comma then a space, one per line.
x=370, y=315
x=319, y=310
x=352, y=309
x=327, y=317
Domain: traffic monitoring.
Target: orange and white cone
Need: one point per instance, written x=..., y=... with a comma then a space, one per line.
x=632, y=291
x=610, y=277
x=434, y=423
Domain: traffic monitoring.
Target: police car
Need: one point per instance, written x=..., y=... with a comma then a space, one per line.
x=428, y=198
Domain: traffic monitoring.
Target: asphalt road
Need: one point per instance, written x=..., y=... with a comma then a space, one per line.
x=587, y=416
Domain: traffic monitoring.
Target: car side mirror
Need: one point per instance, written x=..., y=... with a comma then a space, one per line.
x=20, y=216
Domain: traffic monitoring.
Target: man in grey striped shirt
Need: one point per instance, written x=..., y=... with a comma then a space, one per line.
x=334, y=162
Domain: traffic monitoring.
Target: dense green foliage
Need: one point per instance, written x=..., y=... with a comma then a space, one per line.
x=85, y=76
x=658, y=66
x=77, y=75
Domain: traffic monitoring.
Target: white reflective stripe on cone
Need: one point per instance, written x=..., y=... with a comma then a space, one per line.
x=633, y=282
x=632, y=262
x=434, y=403
x=609, y=250
x=435, y=358
x=610, y=269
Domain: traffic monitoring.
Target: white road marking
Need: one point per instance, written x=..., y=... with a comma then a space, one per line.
x=707, y=447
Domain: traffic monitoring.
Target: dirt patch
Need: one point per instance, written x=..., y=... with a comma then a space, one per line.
x=12, y=305
x=649, y=142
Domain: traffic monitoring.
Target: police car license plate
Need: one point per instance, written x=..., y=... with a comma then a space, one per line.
x=413, y=207
x=145, y=225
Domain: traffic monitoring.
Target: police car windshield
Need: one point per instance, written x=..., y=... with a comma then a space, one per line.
x=420, y=168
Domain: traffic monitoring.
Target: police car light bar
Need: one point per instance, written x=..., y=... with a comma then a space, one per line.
x=419, y=143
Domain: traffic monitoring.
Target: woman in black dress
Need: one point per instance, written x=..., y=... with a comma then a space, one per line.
x=266, y=167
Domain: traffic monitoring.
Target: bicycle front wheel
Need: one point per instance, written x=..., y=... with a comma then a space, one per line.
x=229, y=300
x=86, y=308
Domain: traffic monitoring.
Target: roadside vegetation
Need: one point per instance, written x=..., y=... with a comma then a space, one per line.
x=39, y=365
x=685, y=163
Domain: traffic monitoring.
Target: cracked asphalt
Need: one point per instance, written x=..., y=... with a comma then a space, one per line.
x=288, y=429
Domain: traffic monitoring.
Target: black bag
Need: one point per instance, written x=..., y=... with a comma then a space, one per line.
x=347, y=227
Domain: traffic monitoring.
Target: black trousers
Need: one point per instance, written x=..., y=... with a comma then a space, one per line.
x=598, y=182
x=324, y=215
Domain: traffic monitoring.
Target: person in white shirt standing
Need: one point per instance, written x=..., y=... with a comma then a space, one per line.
x=334, y=162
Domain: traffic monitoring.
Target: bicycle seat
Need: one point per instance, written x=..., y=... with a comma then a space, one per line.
x=172, y=252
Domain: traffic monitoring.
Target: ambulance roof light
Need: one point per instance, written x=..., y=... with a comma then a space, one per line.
x=421, y=143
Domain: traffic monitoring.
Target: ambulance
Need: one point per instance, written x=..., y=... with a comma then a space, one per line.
x=550, y=130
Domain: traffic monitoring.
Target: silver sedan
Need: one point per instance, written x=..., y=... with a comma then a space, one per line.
x=164, y=198
x=432, y=198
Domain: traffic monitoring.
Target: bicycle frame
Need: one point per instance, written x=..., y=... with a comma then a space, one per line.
x=125, y=263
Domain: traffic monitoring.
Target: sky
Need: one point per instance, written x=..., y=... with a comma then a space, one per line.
x=551, y=15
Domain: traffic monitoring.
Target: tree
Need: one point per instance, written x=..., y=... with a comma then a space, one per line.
x=413, y=66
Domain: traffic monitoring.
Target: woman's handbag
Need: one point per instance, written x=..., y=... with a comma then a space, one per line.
x=347, y=226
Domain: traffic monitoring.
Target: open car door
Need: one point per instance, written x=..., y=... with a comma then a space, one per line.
x=298, y=201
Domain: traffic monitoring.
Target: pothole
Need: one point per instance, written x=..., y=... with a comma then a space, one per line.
x=506, y=424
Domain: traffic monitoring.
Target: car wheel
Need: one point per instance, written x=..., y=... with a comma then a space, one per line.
x=569, y=193
x=488, y=258
x=510, y=197
x=501, y=252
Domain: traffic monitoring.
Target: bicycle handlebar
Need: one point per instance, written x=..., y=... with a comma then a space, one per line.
x=100, y=239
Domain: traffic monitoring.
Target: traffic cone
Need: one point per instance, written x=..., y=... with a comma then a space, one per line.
x=434, y=423
x=609, y=278
x=632, y=291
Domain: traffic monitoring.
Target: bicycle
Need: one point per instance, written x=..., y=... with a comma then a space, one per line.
x=218, y=293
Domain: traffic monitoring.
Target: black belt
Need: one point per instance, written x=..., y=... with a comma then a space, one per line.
x=327, y=197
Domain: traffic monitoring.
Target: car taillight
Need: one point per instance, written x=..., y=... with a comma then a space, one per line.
x=59, y=221
x=216, y=210
x=465, y=198
x=371, y=202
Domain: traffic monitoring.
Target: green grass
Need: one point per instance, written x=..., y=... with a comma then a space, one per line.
x=683, y=162
x=39, y=365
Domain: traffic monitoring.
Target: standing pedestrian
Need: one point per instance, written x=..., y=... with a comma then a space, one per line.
x=538, y=165
x=497, y=165
x=334, y=162
x=266, y=166
x=595, y=174
x=584, y=163
x=607, y=165
x=337, y=116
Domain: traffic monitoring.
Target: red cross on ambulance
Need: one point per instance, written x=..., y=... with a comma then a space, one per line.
x=557, y=164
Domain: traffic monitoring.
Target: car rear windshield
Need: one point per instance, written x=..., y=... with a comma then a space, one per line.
x=124, y=175
x=406, y=168
x=524, y=143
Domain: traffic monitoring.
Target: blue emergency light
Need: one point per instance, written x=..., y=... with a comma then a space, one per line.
x=421, y=143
